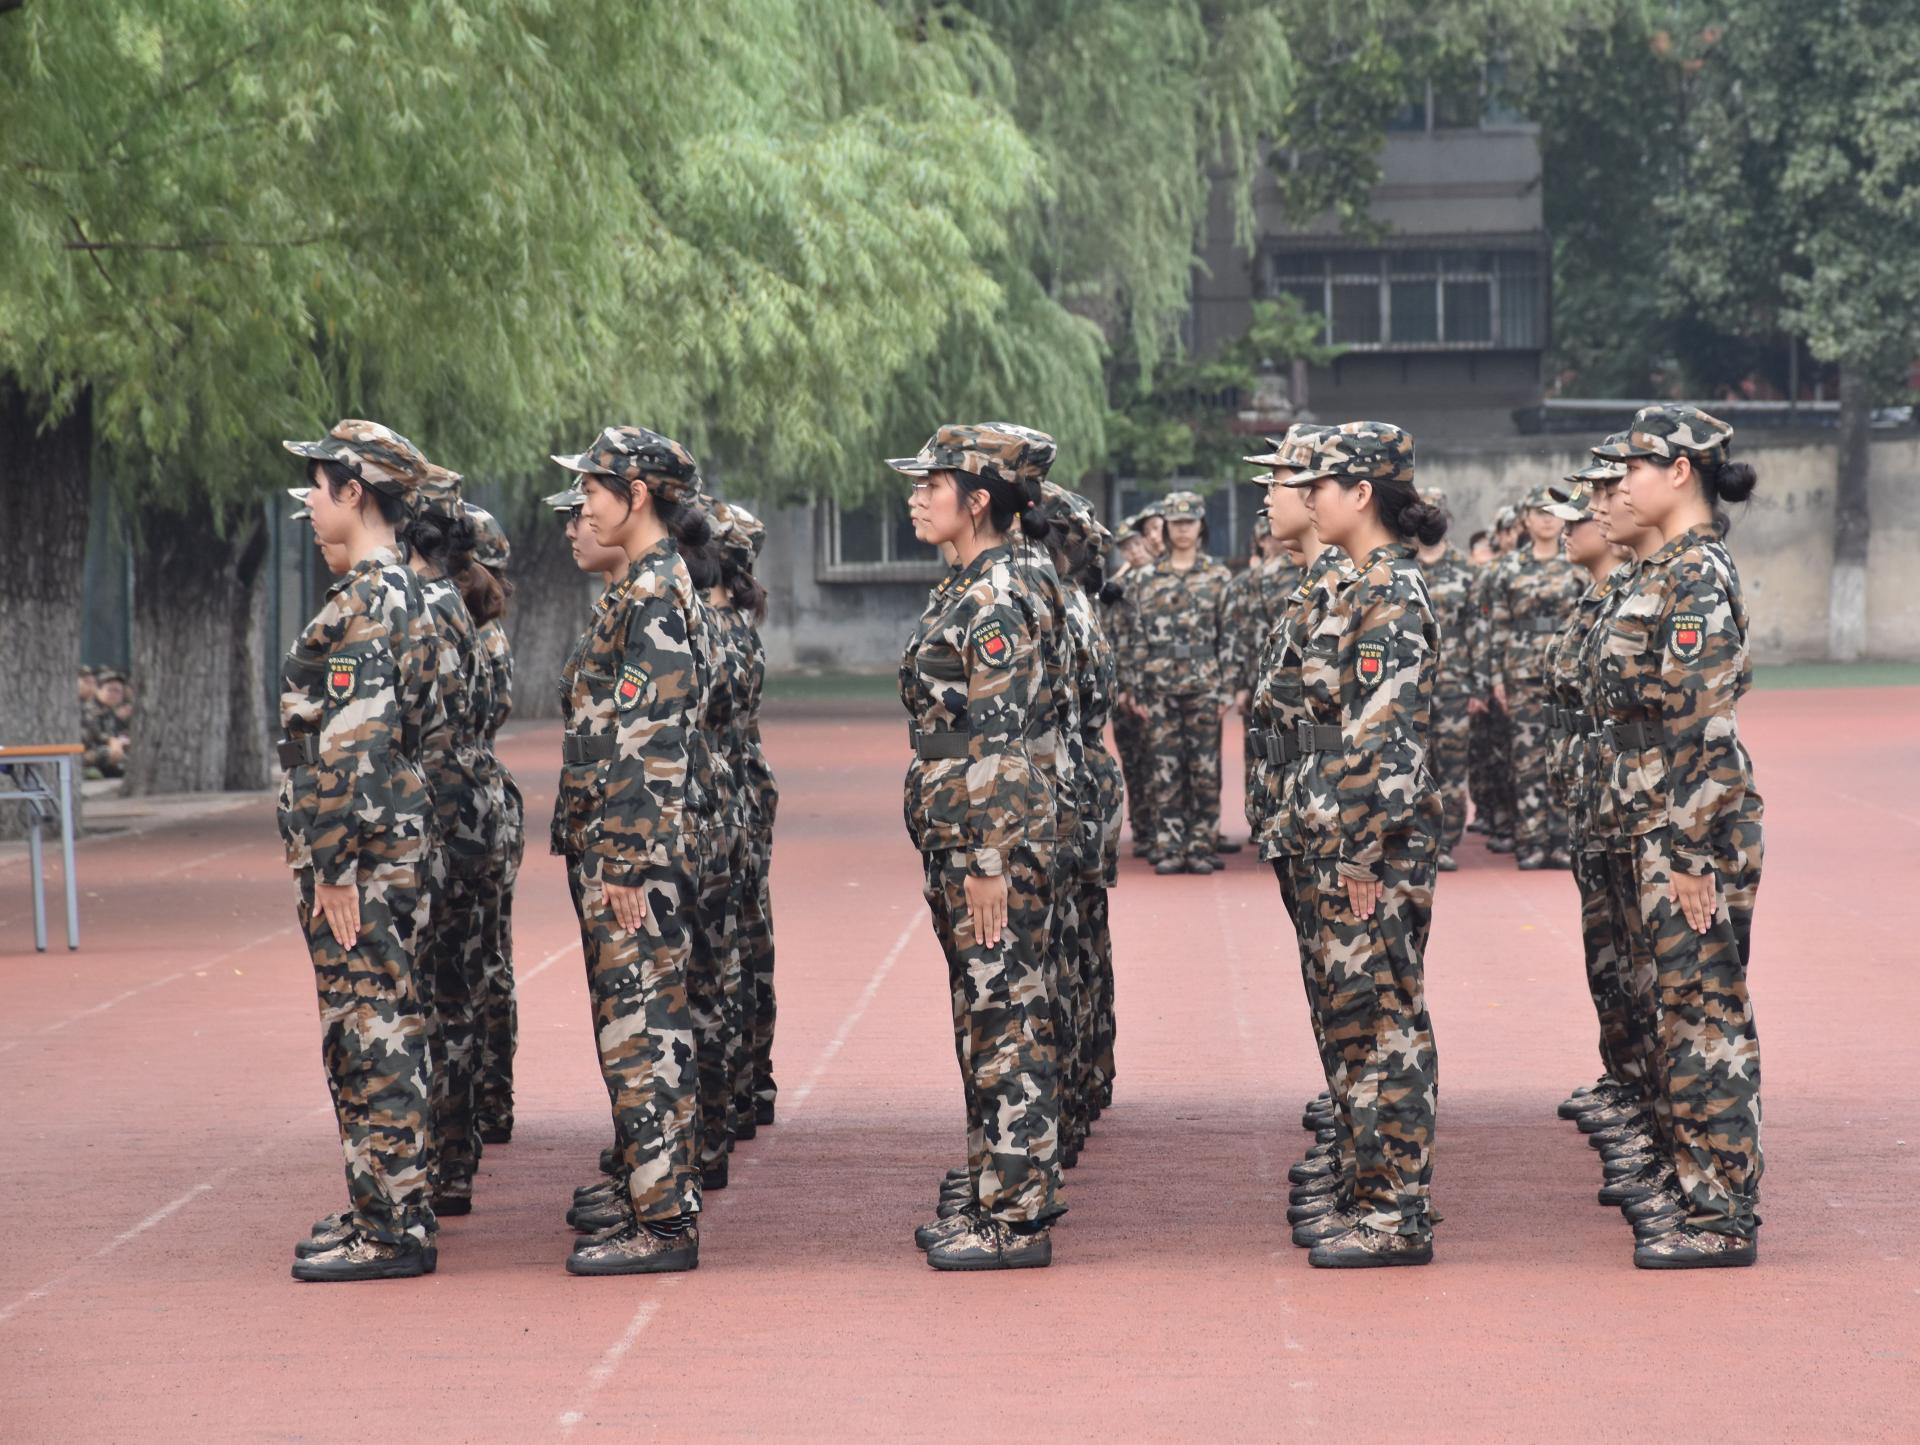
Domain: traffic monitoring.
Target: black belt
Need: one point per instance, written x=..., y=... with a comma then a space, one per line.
x=931, y=747
x=1566, y=720
x=1632, y=737
x=1282, y=745
x=580, y=748
x=296, y=751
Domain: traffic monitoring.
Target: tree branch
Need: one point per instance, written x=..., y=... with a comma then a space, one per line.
x=209, y=243
x=167, y=97
x=107, y=276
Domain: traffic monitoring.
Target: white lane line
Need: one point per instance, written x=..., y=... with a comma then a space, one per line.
x=544, y=964
x=610, y=1360
x=120, y=998
x=16, y=853
x=196, y=861
x=838, y=1041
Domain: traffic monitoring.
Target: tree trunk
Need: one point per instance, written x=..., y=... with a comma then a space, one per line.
x=186, y=596
x=45, y=474
x=1852, y=521
x=548, y=612
x=247, y=708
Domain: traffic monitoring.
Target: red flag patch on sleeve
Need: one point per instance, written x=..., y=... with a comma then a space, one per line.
x=1371, y=664
x=1687, y=636
x=343, y=673
x=626, y=692
x=991, y=643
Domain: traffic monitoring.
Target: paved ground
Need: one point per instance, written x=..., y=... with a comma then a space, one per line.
x=167, y=1140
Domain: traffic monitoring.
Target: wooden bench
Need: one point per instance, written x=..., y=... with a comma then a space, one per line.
x=21, y=781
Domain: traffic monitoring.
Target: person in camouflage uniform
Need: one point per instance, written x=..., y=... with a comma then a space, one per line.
x=1490, y=733
x=1365, y=824
x=1450, y=587
x=360, y=691
x=1534, y=592
x=499, y=1012
x=1249, y=609
x=1129, y=725
x=441, y=540
x=978, y=810
x=1170, y=667
x=636, y=694
x=1672, y=668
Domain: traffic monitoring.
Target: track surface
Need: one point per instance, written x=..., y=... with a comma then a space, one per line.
x=167, y=1139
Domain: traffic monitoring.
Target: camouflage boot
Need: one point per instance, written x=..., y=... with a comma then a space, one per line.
x=1332, y=1225
x=990, y=1244
x=640, y=1248
x=944, y=1227
x=328, y=1233
x=1365, y=1248
x=1690, y=1248
x=358, y=1257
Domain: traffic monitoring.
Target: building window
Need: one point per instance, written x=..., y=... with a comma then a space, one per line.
x=1435, y=300
x=1485, y=103
x=873, y=541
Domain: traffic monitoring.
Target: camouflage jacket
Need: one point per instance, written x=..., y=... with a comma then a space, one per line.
x=361, y=692
x=1674, y=661
x=973, y=669
x=1171, y=644
x=1097, y=785
x=1278, y=701
x=1053, y=724
x=1480, y=590
x=637, y=681
x=713, y=795
x=1572, y=752
x=1450, y=580
x=573, y=800
x=1367, y=671
x=1531, y=602
x=1249, y=608
x=499, y=654
x=747, y=674
x=509, y=809
x=459, y=771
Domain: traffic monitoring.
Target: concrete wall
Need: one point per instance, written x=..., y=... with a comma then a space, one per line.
x=1783, y=541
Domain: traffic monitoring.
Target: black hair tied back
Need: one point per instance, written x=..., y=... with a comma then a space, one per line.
x=1409, y=518
x=687, y=525
x=1724, y=480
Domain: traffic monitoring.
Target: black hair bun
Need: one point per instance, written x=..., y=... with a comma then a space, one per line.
x=1423, y=522
x=1734, y=481
x=1112, y=593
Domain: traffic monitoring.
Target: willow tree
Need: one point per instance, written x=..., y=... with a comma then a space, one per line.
x=491, y=224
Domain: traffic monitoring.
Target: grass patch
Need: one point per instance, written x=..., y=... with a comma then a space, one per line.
x=832, y=687
x=1838, y=674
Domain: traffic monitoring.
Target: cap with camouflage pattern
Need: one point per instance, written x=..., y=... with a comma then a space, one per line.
x=1294, y=450
x=991, y=452
x=1074, y=515
x=566, y=501
x=1149, y=509
x=1537, y=499
x=1262, y=525
x=1668, y=431
x=490, y=547
x=1569, y=504
x=439, y=492
x=371, y=454
x=1507, y=517
x=1184, y=507
x=1042, y=449
x=1601, y=469
x=1359, y=451
x=637, y=454
x=300, y=495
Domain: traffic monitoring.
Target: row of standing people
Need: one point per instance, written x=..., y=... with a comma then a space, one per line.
x=406, y=832
x=1013, y=802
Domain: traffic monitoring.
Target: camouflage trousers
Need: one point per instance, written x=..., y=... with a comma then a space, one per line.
x=1130, y=745
x=1375, y=1019
x=1447, y=749
x=500, y=1007
x=1607, y=944
x=1490, y=770
x=1539, y=819
x=643, y=1027
x=1706, y=1052
x=373, y=1045
x=1183, y=781
x=1002, y=1027
x=713, y=989
x=1313, y=983
x=1096, y=933
x=1065, y=986
x=756, y=960
x=455, y=978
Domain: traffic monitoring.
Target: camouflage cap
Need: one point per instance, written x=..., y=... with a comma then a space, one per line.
x=1507, y=516
x=566, y=501
x=1361, y=451
x=1041, y=449
x=1569, y=504
x=738, y=529
x=373, y=455
x=1150, y=509
x=1294, y=450
x=1434, y=497
x=1262, y=525
x=637, y=454
x=988, y=451
x=1077, y=519
x=439, y=492
x=490, y=548
x=300, y=495
x=1184, y=507
x=1667, y=431
x=1537, y=499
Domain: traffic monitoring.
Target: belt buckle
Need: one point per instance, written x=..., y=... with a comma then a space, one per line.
x=1303, y=737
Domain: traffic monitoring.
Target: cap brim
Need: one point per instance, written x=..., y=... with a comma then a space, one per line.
x=911, y=466
x=1267, y=459
x=320, y=451
x=1306, y=478
x=581, y=462
x=300, y=494
x=1566, y=511
x=1622, y=452
x=562, y=501
x=305, y=514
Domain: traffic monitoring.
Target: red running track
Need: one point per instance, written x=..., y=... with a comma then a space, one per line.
x=167, y=1140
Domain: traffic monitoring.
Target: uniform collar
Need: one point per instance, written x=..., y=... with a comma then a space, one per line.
x=378, y=558
x=1386, y=552
x=1693, y=536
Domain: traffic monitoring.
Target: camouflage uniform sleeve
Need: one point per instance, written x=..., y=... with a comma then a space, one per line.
x=1233, y=659
x=1000, y=658
x=1701, y=655
x=654, y=691
x=361, y=726
x=1385, y=680
x=500, y=656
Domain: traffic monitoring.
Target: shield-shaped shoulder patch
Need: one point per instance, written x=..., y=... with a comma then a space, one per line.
x=626, y=692
x=343, y=674
x=1688, y=635
x=1371, y=663
x=990, y=642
